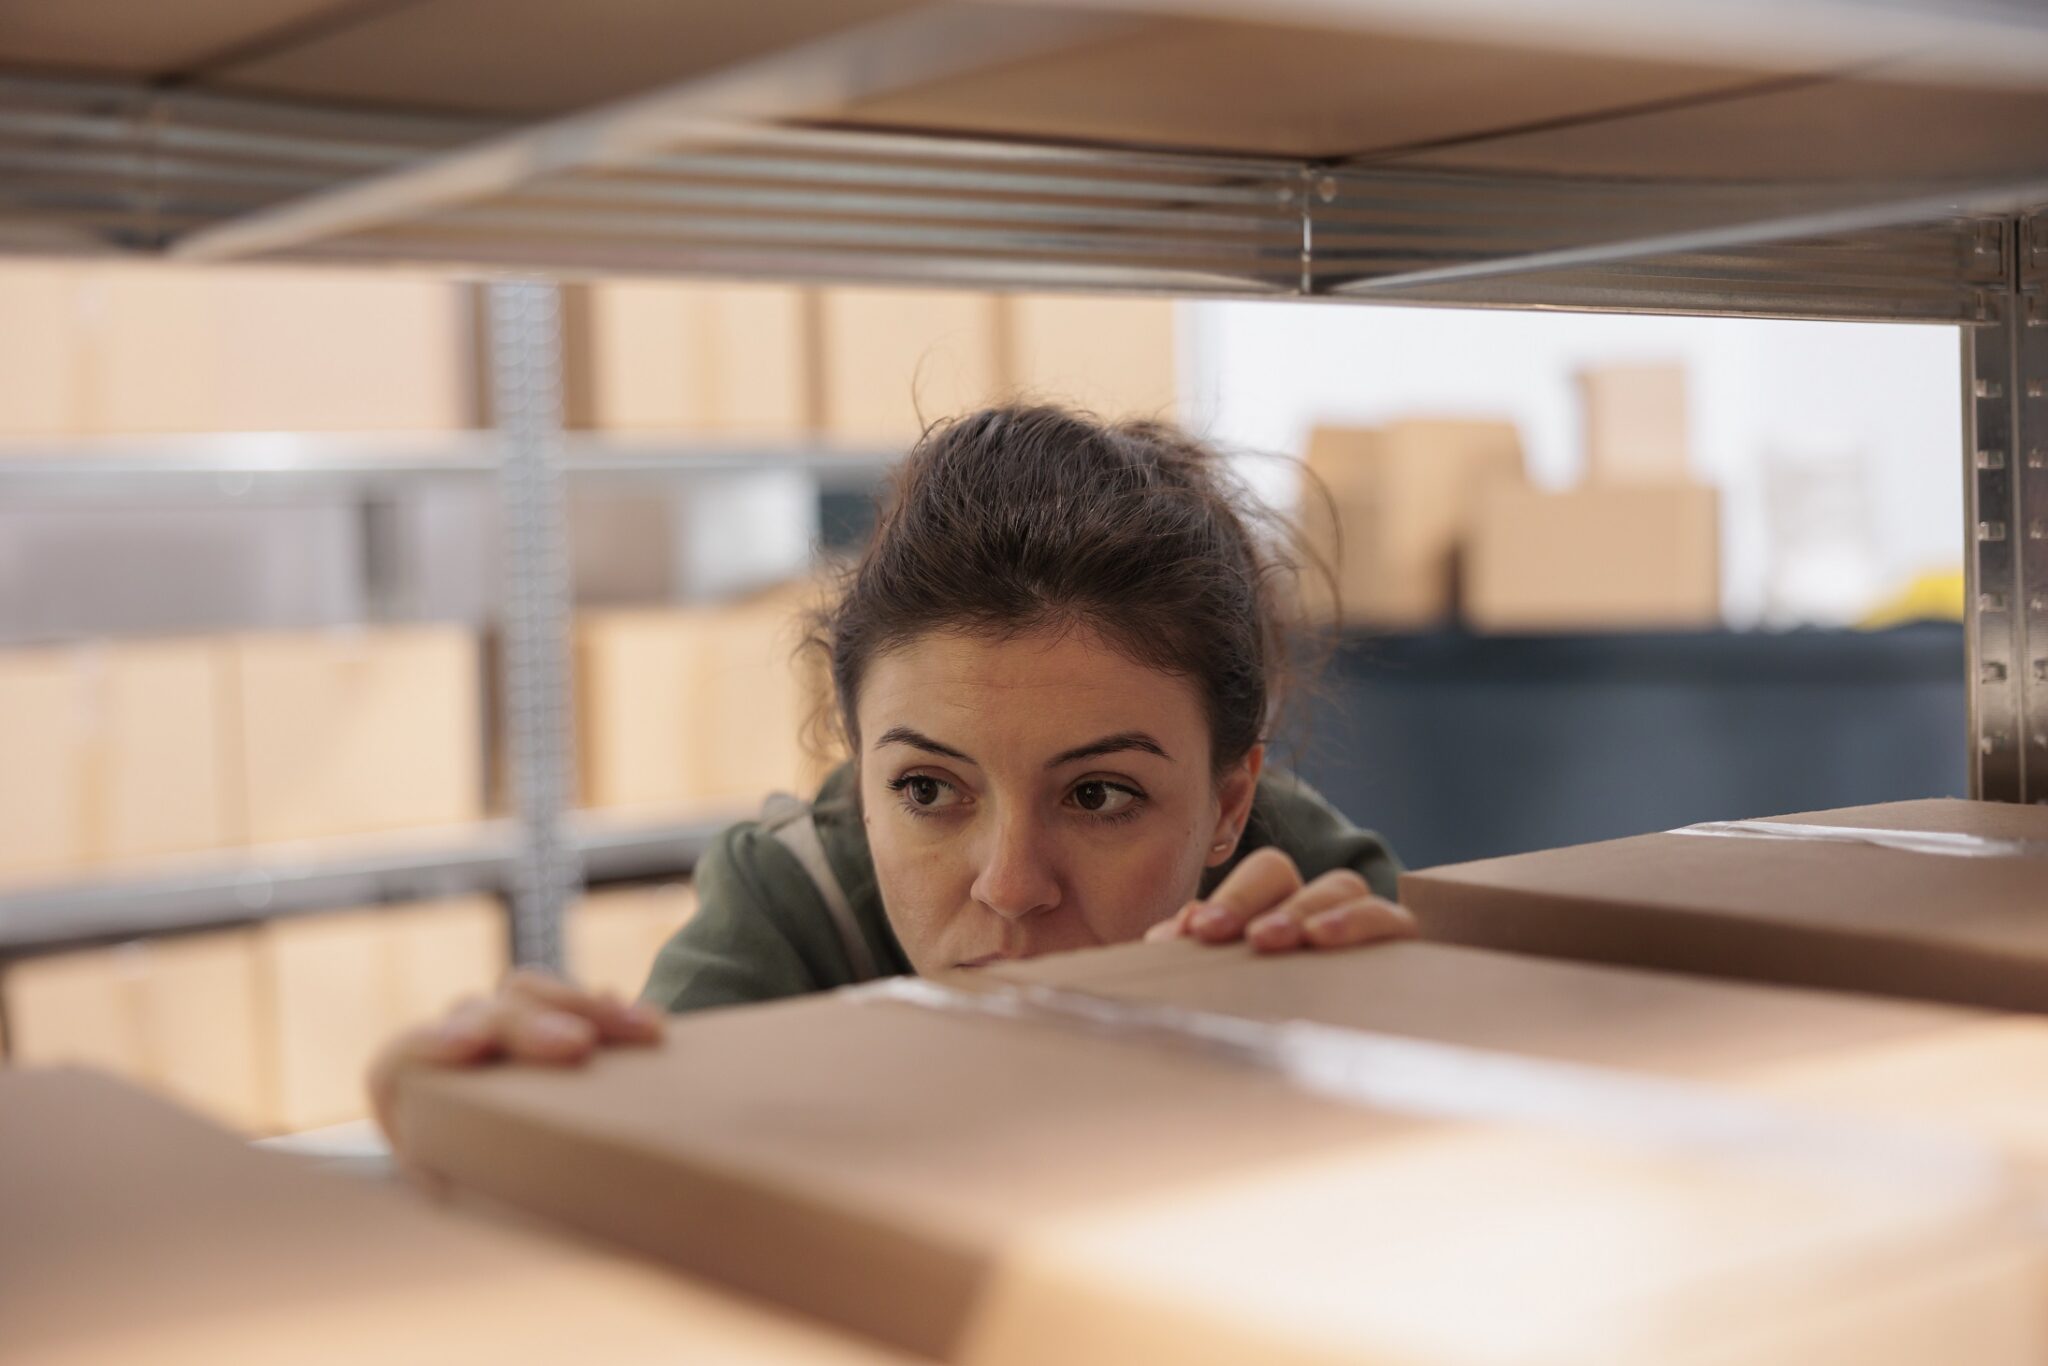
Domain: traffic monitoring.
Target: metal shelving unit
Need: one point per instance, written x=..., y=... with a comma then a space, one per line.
x=1853, y=159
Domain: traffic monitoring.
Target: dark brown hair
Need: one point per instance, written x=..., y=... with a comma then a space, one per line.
x=1030, y=517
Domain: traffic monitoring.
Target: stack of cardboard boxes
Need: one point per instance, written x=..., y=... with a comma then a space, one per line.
x=1427, y=522
x=863, y=368
x=1634, y=547
x=125, y=349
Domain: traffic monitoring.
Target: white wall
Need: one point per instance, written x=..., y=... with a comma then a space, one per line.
x=1260, y=375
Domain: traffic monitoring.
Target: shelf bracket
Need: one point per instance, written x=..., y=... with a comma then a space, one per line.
x=534, y=657
x=2005, y=404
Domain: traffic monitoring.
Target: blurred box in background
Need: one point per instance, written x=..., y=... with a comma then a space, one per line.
x=356, y=731
x=1114, y=357
x=43, y=738
x=175, y=349
x=1595, y=559
x=612, y=937
x=42, y=350
x=1401, y=501
x=895, y=360
x=689, y=708
x=702, y=359
x=159, y=782
x=1635, y=424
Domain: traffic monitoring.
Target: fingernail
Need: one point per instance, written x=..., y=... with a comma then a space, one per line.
x=459, y=1032
x=642, y=1013
x=1322, y=922
x=1209, y=918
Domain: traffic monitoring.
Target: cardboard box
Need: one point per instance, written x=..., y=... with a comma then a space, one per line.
x=77, y=1007
x=1113, y=357
x=199, y=1020
x=1840, y=913
x=444, y=952
x=1635, y=424
x=159, y=782
x=698, y=708
x=1638, y=557
x=355, y=732
x=1400, y=504
x=892, y=362
x=183, y=349
x=42, y=350
x=327, y=995
x=612, y=937
x=991, y=1189
x=701, y=359
x=136, y=1232
x=44, y=734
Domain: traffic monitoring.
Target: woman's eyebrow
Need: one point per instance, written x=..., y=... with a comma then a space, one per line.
x=1120, y=743
x=904, y=735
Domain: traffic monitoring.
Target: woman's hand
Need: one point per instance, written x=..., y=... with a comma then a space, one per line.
x=1265, y=903
x=533, y=1018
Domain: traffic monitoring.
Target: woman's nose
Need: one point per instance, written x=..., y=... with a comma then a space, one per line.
x=1017, y=877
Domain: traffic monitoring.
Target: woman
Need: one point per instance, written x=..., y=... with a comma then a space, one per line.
x=1056, y=665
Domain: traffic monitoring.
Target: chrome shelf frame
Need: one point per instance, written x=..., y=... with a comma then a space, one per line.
x=768, y=168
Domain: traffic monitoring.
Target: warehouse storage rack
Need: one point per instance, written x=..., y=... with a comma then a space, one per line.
x=1870, y=160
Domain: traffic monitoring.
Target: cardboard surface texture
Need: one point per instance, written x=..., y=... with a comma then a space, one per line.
x=1627, y=557
x=1819, y=913
x=1401, y=503
x=136, y=1232
x=984, y=1190
x=355, y=732
x=42, y=350
x=161, y=782
x=1635, y=418
x=896, y=360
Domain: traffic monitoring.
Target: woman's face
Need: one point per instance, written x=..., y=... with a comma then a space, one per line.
x=1035, y=794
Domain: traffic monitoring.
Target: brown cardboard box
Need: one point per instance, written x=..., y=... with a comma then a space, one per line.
x=613, y=936
x=327, y=994
x=1401, y=501
x=354, y=732
x=444, y=951
x=1635, y=418
x=157, y=717
x=1832, y=913
x=1114, y=357
x=199, y=1023
x=44, y=734
x=989, y=1189
x=708, y=360
x=42, y=356
x=642, y=699
x=700, y=707
x=76, y=1007
x=136, y=1232
x=1639, y=557
x=182, y=349
x=894, y=361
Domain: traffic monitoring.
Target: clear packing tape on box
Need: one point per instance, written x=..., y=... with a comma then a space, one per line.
x=1421, y=1078
x=1949, y=843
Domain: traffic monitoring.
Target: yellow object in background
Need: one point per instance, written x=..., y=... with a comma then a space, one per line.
x=1930, y=597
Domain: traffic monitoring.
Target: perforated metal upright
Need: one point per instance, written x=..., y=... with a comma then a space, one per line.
x=535, y=678
x=2006, y=511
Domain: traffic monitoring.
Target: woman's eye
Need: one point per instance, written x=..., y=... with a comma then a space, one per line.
x=923, y=791
x=1102, y=799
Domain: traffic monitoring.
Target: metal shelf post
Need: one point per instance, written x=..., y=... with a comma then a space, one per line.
x=2005, y=378
x=535, y=679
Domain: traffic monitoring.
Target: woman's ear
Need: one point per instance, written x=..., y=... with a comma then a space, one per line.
x=1234, y=792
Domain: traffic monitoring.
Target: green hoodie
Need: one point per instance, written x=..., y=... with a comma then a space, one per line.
x=764, y=929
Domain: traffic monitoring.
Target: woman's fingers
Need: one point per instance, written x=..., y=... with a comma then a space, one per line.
x=1262, y=880
x=1284, y=925
x=1365, y=920
x=616, y=1021
x=534, y=1018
